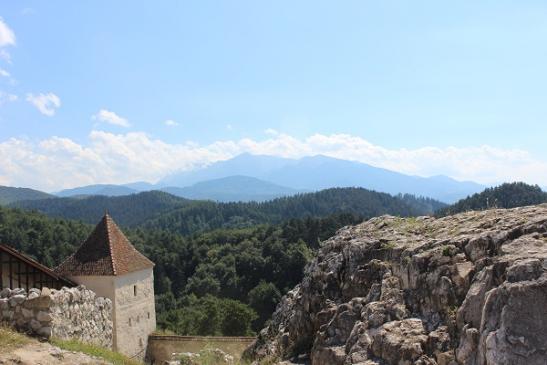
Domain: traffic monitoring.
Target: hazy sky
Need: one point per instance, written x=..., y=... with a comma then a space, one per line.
x=118, y=91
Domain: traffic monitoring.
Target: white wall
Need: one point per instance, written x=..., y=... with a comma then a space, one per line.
x=103, y=286
x=135, y=315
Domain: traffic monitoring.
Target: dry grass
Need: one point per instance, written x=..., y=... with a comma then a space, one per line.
x=10, y=340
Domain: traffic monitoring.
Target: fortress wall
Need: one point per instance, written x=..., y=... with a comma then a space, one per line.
x=69, y=313
x=162, y=347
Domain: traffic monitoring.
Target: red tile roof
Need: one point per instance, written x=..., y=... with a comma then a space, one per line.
x=106, y=252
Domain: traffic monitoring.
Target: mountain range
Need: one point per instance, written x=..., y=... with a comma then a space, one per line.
x=250, y=177
x=322, y=172
x=260, y=178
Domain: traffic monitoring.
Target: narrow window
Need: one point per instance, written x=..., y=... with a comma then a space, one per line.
x=129, y=322
x=134, y=290
x=148, y=315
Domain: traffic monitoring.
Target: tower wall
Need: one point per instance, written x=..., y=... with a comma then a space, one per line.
x=134, y=314
x=103, y=286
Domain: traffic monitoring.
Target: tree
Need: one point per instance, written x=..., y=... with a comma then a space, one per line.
x=263, y=298
x=237, y=318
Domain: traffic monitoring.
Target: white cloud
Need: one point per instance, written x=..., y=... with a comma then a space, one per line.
x=170, y=123
x=7, y=97
x=7, y=75
x=119, y=158
x=271, y=132
x=45, y=103
x=7, y=37
x=110, y=117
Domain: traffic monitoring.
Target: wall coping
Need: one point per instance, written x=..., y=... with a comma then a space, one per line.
x=200, y=338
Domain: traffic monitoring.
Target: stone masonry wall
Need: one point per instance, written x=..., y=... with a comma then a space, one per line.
x=69, y=313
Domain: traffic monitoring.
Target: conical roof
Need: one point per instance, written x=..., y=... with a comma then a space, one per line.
x=106, y=252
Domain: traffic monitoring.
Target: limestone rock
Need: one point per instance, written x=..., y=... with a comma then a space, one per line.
x=465, y=289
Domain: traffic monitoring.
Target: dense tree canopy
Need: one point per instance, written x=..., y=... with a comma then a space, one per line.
x=45, y=239
x=156, y=209
x=508, y=195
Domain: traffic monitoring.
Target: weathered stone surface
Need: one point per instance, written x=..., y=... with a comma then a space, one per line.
x=69, y=313
x=399, y=341
x=466, y=289
x=5, y=293
x=17, y=299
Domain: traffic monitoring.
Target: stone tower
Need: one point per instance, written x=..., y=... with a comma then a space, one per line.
x=108, y=264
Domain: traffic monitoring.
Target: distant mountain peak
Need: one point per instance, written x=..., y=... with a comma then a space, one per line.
x=232, y=188
x=321, y=172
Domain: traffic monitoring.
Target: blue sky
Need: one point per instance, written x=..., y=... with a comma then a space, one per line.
x=424, y=87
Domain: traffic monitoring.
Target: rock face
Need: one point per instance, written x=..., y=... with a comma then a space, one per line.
x=69, y=313
x=465, y=289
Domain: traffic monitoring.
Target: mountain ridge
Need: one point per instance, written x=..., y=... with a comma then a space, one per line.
x=233, y=188
x=9, y=194
x=322, y=172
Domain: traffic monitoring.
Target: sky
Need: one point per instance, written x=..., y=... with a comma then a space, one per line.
x=123, y=91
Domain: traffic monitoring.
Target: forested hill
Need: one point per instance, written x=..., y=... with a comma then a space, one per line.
x=129, y=210
x=9, y=194
x=508, y=195
x=161, y=210
x=204, y=216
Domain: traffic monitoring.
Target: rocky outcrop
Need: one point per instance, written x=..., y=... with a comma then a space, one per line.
x=465, y=289
x=69, y=313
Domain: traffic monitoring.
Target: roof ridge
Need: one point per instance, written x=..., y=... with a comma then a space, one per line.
x=112, y=261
